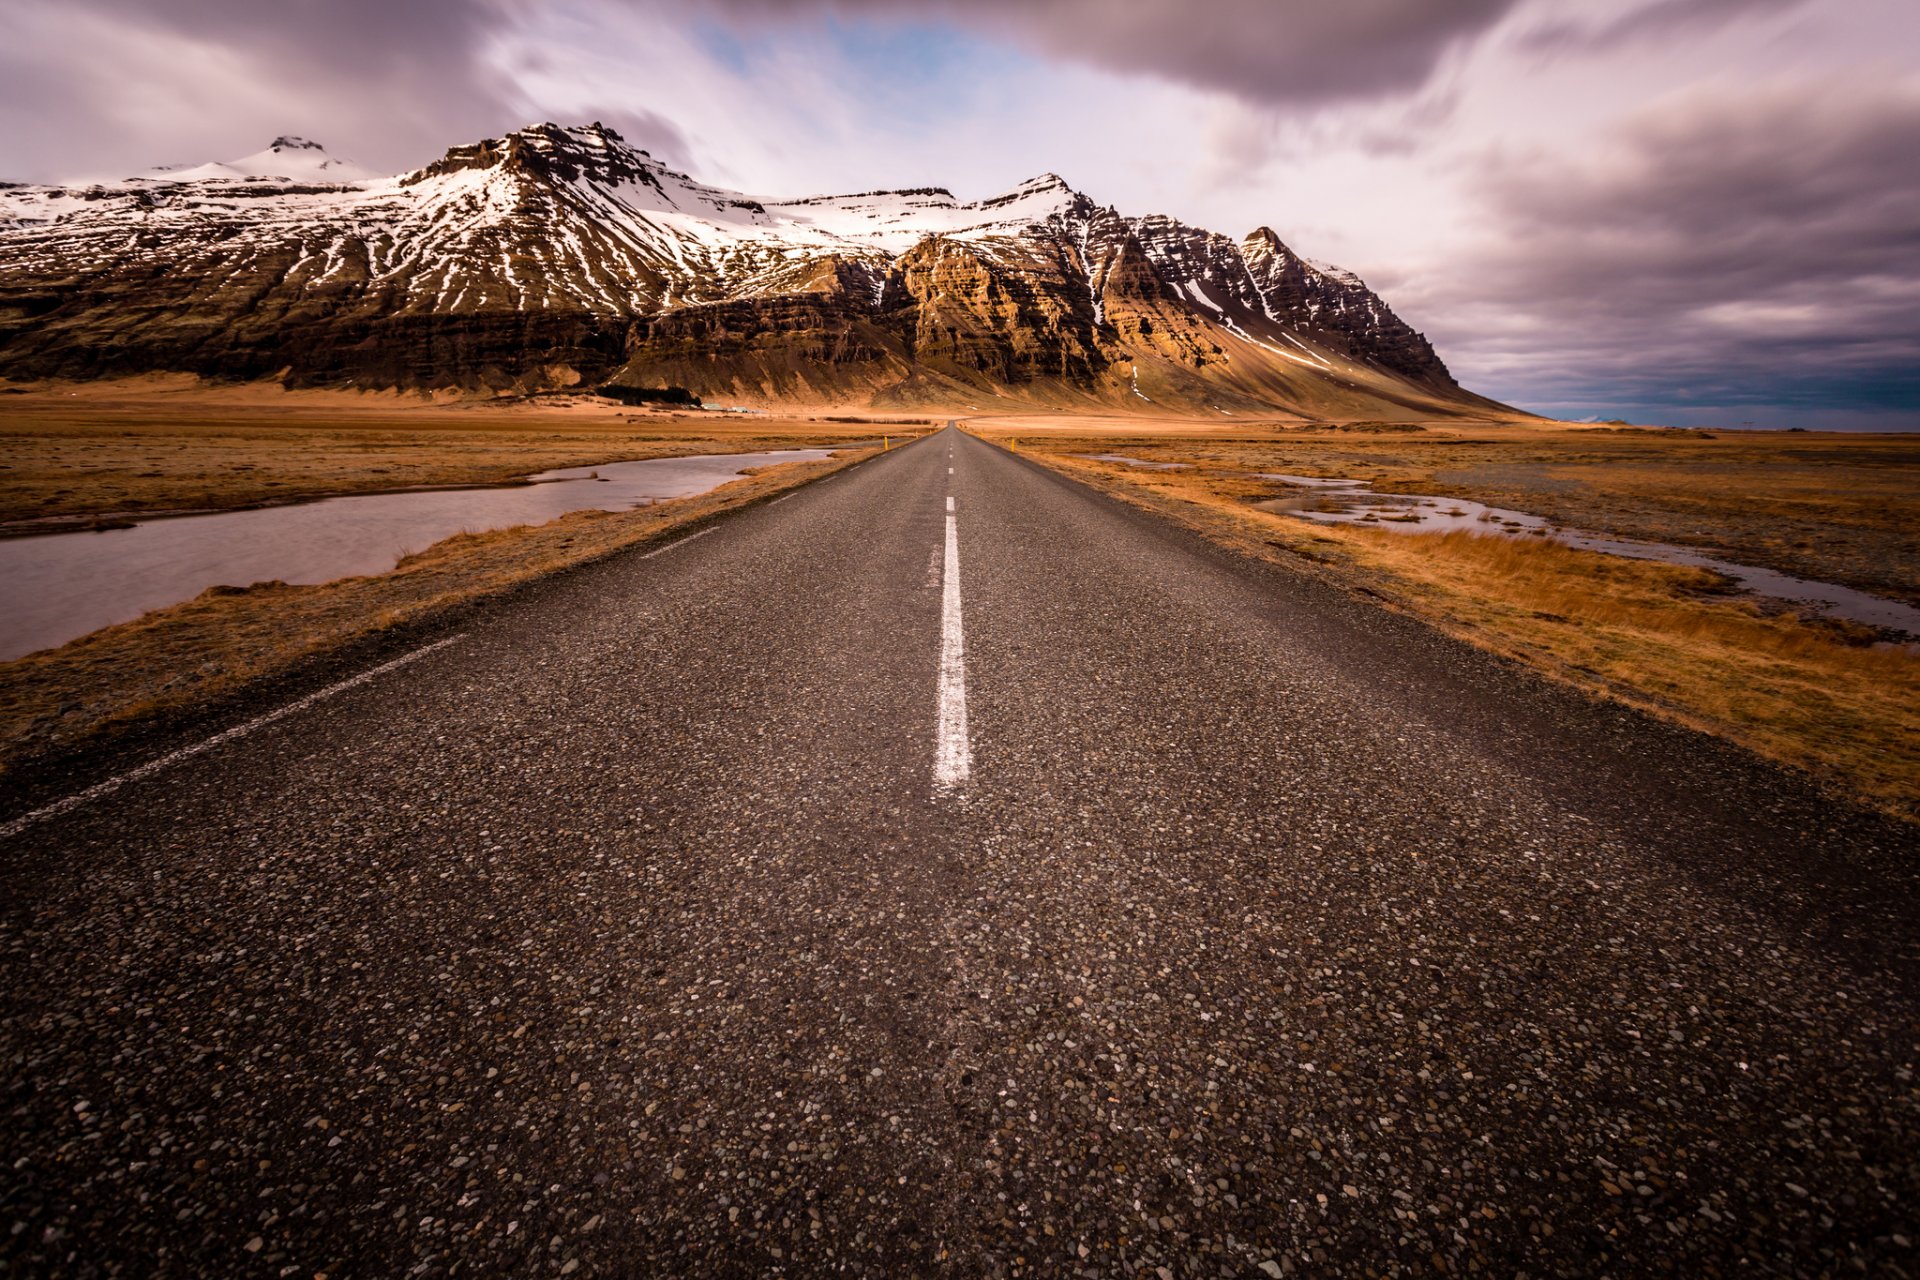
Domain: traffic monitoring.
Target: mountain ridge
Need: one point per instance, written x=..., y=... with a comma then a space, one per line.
x=556, y=256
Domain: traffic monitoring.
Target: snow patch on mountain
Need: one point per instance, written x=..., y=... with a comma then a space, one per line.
x=285, y=159
x=552, y=221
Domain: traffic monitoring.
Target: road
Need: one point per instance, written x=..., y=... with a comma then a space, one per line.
x=948, y=870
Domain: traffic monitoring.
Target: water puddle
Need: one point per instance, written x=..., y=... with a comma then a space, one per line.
x=60, y=586
x=1313, y=482
x=1353, y=502
x=1136, y=462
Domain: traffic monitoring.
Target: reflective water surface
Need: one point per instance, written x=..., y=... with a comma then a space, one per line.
x=59, y=586
x=1352, y=502
x=1137, y=462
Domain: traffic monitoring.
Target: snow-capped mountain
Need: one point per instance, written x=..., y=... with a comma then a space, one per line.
x=286, y=159
x=558, y=255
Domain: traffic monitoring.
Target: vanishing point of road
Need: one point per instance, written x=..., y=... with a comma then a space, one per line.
x=948, y=870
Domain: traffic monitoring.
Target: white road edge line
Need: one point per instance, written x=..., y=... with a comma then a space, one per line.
x=952, y=753
x=167, y=761
x=660, y=551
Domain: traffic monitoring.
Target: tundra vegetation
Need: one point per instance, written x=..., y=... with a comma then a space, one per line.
x=1835, y=698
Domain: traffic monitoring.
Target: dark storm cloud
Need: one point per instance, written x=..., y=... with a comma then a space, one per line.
x=1287, y=52
x=108, y=81
x=374, y=38
x=1760, y=249
x=1658, y=20
x=113, y=86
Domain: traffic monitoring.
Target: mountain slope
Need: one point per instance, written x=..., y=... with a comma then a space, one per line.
x=557, y=255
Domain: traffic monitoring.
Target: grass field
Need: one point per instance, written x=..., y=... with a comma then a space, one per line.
x=1820, y=695
x=98, y=451
x=1839, y=507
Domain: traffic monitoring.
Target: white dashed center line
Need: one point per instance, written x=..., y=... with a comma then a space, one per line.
x=952, y=754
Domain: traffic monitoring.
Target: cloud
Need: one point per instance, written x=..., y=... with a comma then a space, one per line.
x=1657, y=20
x=1751, y=247
x=1290, y=52
x=115, y=86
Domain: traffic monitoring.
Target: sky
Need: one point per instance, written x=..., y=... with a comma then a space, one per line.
x=1693, y=212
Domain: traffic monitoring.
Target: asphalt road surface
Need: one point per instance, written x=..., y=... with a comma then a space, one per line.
x=946, y=870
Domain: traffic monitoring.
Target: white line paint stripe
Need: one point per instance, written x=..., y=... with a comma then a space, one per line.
x=671, y=545
x=167, y=761
x=949, y=504
x=952, y=754
x=783, y=497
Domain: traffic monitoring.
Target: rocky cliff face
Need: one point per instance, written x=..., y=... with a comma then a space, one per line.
x=559, y=255
x=1337, y=307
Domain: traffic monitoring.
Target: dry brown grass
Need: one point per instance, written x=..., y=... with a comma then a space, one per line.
x=226, y=639
x=72, y=455
x=1814, y=695
x=1809, y=693
x=1840, y=507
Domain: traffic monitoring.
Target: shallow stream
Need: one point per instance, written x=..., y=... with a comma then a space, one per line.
x=60, y=586
x=1329, y=501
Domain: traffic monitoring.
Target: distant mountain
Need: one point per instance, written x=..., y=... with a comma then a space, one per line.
x=556, y=256
x=285, y=159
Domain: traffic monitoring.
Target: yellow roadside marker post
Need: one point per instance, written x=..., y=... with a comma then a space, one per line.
x=885, y=444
